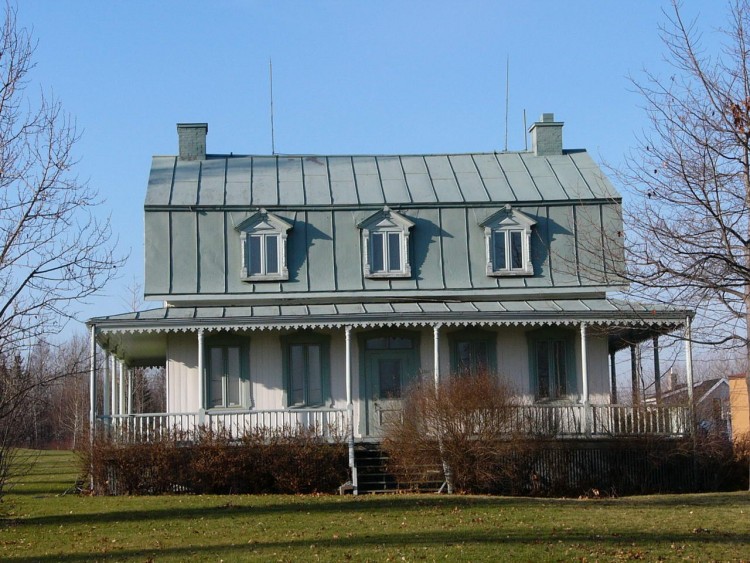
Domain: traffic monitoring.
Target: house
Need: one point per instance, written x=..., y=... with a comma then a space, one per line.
x=711, y=400
x=311, y=290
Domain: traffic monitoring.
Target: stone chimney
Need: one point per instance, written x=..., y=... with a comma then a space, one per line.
x=192, y=137
x=546, y=136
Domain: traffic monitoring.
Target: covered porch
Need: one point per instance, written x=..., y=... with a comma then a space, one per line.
x=154, y=337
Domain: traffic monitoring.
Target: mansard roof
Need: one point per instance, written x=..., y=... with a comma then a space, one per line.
x=415, y=180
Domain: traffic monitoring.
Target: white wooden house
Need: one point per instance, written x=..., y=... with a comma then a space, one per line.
x=312, y=289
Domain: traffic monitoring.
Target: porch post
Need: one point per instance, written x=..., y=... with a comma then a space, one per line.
x=113, y=385
x=613, y=377
x=350, y=405
x=92, y=402
x=201, y=399
x=634, y=375
x=585, y=377
x=689, y=366
x=436, y=353
x=106, y=386
x=130, y=390
x=657, y=371
x=92, y=385
x=121, y=390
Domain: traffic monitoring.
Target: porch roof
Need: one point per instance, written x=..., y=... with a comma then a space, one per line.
x=623, y=321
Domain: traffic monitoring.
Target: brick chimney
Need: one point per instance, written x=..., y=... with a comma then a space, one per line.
x=192, y=138
x=546, y=136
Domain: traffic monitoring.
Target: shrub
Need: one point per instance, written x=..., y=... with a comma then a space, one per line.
x=290, y=461
x=464, y=425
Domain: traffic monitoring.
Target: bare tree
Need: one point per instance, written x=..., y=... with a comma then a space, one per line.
x=54, y=251
x=689, y=220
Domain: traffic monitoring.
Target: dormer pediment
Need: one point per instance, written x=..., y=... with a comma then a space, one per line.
x=264, y=221
x=508, y=218
x=386, y=218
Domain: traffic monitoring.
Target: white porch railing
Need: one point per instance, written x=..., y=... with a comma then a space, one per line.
x=134, y=428
x=558, y=420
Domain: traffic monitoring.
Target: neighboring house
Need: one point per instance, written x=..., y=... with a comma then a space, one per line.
x=712, y=403
x=739, y=405
x=313, y=289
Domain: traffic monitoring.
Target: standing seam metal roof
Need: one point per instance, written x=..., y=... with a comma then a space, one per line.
x=286, y=180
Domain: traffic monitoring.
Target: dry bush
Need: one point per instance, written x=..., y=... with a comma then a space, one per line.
x=466, y=426
x=292, y=461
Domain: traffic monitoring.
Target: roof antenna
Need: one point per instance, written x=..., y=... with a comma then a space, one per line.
x=525, y=135
x=507, y=97
x=270, y=74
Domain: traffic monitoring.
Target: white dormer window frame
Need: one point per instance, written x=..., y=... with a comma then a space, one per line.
x=263, y=239
x=507, y=235
x=385, y=245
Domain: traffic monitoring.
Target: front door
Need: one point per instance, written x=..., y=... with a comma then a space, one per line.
x=391, y=364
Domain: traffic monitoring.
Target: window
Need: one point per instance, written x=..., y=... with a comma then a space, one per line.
x=552, y=366
x=225, y=379
x=508, y=241
x=263, y=241
x=385, y=243
x=472, y=352
x=306, y=368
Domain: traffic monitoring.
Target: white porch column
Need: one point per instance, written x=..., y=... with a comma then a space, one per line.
x=106, y=389
x=201, y=377
x=350, y=405
x=436, y=352
x=92, y=385
x=585, y=377
x=130, y=390
x=113, y=385
x=689, y=366
x=121, y=385
x=657, y=371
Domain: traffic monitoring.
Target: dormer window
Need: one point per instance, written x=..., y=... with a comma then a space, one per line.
x=385, y=243
x=508, y=243
x=263, y=243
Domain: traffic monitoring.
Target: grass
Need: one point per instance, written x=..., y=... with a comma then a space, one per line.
x=38, y=523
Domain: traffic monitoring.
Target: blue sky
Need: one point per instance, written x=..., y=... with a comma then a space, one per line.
x=374, y=77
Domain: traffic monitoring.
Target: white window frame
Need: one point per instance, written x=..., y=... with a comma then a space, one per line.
x=384, y=225
x=264, y=225
x=508, y=221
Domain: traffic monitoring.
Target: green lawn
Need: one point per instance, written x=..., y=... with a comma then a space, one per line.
x=38, y=524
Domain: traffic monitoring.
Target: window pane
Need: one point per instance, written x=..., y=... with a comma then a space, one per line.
x=296, y=374
x=314, y=379
x=463, y=356
x=380, y=343
x=516, y=250
x=272, y=254
x=498, y=250
x=481, y=361
x=215, y=393
x=376, y=260
x=561, y=371
x=394, y=252
x=542, y=368
x=400, y=343
x=389, y=379
x=253, y=259
x=233, y=376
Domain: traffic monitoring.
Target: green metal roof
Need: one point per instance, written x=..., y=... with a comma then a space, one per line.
x=292, y=181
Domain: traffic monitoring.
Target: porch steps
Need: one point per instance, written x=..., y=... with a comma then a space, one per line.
x=373, y=476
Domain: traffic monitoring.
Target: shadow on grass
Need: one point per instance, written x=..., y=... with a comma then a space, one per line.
x=223, y=507
x=437, y=540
